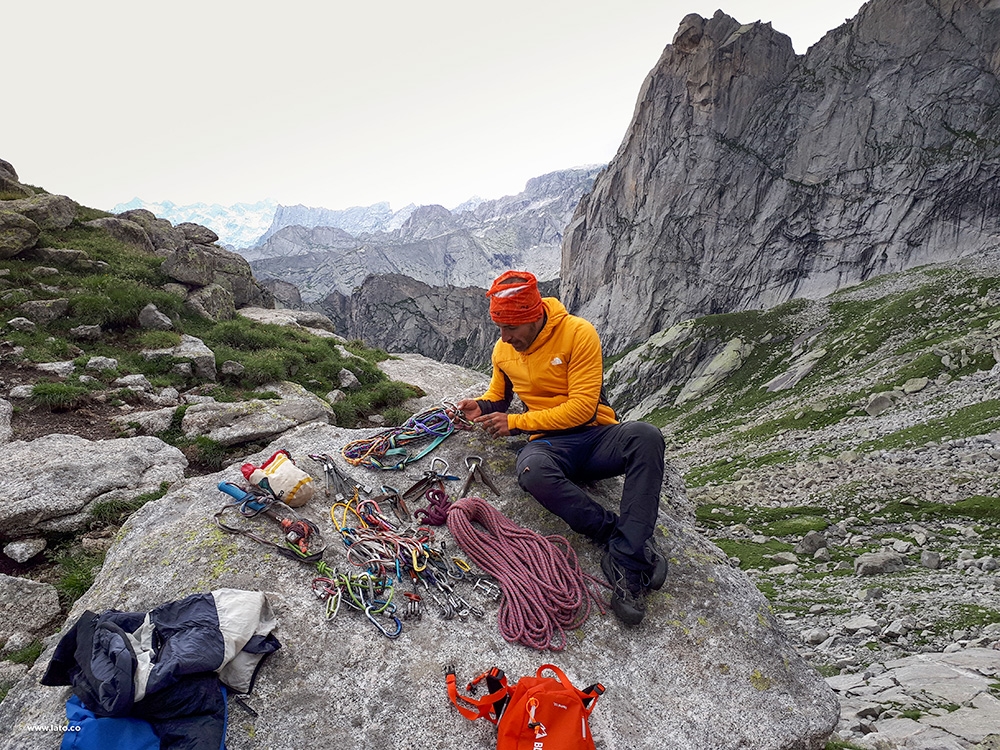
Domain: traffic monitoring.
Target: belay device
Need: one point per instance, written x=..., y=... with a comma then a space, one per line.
x=535, y=712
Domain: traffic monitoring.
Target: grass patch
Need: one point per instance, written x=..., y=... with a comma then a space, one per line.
x=395, y=416
x=346, y=413
x=247, y=336
x=115, y=303
x=796, y=524
x=717, y=515
x=767, y=589
x=983, y=508
x=58, y=396
x=752, y=555
x=158, y=339
x=40, y=345
x=268, y=366
x=391, y=393
x=28, y=654
x=827, y=670
x=723, y=470
x=926, y=365
x=358, y=348
x=966, y=617
x=206, y=453
x=794, y=520
x=126, y=261
x=76, y=571
x=806, y=419
x=114, y=512
x=272, y=353
x=386, y=397
x=174, y=434
x=200, y=451
x=975, y=419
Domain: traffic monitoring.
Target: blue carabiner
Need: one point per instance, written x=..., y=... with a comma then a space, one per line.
x=377, y=624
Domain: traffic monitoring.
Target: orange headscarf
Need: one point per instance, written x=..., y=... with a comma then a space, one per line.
x=514, y=299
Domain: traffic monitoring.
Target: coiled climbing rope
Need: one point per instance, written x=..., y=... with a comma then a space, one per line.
x=545, y=593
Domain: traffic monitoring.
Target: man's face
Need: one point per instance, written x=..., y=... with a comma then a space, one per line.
x=521, y=336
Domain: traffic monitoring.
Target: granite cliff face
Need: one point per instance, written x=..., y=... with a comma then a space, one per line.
x=448, y=324
x=750, y=175
x=461, y=248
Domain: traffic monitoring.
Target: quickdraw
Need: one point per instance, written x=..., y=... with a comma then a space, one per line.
x=302, y=538
x=387, y=449
x=361, y=591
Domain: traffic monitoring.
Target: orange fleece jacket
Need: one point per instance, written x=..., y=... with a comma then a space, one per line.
x=559, y=377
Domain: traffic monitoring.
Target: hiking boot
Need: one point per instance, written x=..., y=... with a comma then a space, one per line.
x=653, y=579
x=627, y=600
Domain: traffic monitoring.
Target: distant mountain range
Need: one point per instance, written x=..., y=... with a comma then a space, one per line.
x=245, y=225
x=322, y=251
x=464, y=247
x=238, y=225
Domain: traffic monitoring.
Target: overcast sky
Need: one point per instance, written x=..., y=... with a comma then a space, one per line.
x=334, y=104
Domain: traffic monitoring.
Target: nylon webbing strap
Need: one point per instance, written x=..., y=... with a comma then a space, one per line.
x=476, y=708
x=388, y=450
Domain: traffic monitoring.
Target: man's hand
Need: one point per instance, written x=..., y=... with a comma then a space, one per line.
x=495, y=424
x=470, y=410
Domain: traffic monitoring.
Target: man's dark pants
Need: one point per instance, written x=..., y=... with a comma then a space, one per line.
x=550, y=467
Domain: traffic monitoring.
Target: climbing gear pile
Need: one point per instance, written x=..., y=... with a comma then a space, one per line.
x=536, y=580
x=545, y=593
x=361, y=591
x=387, y=554
x=433, y=488
x=536, y=711
x=302, y=539
x=388, y=449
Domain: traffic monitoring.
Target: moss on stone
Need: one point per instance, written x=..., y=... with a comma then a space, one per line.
x=759, y=681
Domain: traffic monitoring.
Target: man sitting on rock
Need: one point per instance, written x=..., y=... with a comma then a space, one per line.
x=553, y=362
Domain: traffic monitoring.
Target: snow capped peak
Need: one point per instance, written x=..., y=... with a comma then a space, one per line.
x=239, y=225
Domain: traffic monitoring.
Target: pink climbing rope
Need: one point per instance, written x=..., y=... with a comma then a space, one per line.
x=545, y=593
x=436, y=512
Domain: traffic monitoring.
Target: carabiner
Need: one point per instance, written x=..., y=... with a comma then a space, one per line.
x=439, y=460
x=377, y=624
x=416, y=565
x=333, y=604
x=455, y=414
